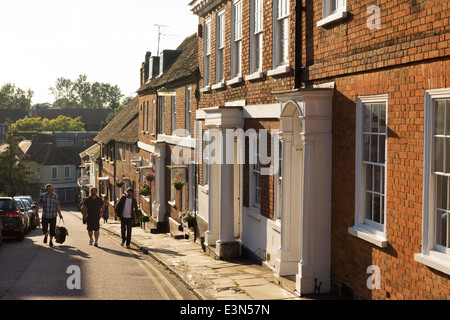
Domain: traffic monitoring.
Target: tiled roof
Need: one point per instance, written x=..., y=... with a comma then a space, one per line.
x=182, y=69
x=124, y=127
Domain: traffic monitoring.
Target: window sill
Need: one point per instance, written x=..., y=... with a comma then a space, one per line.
x=332, y=18
x=234, y=81
x=253, y=212
x=436, y=260
x=279, y=71
x=255, y=76
x=368, y=234
x=172, y=203
x=206, y=89
x=218, y=86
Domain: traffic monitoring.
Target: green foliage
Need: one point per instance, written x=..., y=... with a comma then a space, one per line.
x=13, y=170
x=62, y=123
x=12, y=97
x=83, y=94
x=116, y=111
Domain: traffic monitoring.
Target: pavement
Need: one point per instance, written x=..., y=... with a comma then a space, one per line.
x=207, y=277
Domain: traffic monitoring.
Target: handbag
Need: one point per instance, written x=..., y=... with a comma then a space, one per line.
x=61, y=233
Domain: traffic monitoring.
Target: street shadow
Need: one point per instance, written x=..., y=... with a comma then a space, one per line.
x=70, y=250
x=117, y=252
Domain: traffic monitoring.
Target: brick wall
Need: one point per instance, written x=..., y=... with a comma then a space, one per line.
x=402, y=276
x=254, y=92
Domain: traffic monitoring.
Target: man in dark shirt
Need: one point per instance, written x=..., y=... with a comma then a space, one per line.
x=93, y=208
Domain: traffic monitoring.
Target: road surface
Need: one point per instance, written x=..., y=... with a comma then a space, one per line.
x=32, y=270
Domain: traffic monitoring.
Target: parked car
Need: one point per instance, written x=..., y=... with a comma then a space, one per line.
x=12, y=218
x=1, y=237
x=26, y=214
x=29, y=204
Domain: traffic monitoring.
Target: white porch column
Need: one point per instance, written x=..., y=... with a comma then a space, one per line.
x=158, y=206
x=212, y=235
x=227, y=190
x=306, y=213
x=221, y=187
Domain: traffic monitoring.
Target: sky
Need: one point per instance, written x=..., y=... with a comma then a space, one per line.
x=106, y=40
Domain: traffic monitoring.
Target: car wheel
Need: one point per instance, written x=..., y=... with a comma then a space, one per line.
x=20, y=236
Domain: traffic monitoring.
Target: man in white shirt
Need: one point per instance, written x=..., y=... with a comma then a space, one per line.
x=126, y=210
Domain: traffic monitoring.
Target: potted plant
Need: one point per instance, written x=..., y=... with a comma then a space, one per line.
x=187, y=217
x=145, y=190
x=143, y=219
x=120, y=183
x=150, y=176
x=178, y=184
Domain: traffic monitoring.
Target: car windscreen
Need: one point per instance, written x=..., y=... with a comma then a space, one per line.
x=6, y=205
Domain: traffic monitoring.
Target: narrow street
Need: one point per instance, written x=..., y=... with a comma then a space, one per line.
x=32, y=270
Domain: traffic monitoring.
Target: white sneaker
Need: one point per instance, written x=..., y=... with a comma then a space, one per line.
x=123, y=242
x=91, y=241
x=96, y=244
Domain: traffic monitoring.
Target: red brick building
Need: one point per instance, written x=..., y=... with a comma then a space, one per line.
x=359, y=91
x=389, y=62
x=168, y=100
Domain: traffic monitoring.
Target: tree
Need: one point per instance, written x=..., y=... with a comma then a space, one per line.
x=13, y=170
x=83, y=94
x=62, y=123
x=12, y=97
x=116, y=111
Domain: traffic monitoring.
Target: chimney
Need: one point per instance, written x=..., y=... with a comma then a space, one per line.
x=154, y=67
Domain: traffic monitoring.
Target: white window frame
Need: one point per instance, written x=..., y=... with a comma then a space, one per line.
x=255, y=178
x=54, y=173
x=153, y=116
x=173, y=108
x=188, y=110
x=332, y=11
x=281, y=28
x=278, y=177
x=256, y=32
x=220, y=47
x=207, y=54
x=236, y=40
x=364, y=228
x=143, y=116
x=67, y=176
x=163, y=115
x=433, y=254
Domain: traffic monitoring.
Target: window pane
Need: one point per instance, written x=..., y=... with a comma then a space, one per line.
x=442, y=192
x=366, y=147
x=441, y=228
x=374, y=122
x=382, y=119
x=438, y=154
x=373, y=148
x=447, y=155
x=369, y=177
x=382, y=210
x=377, y=179
x=447, y=117
x=439, y=114
x=366, y=118
x=376, y=208
x=369, y=205
x=381, y=148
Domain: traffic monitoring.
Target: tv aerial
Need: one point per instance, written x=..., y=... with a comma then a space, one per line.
x=160, y=33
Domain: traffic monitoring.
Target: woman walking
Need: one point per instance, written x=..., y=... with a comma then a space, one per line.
x=106, y=212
